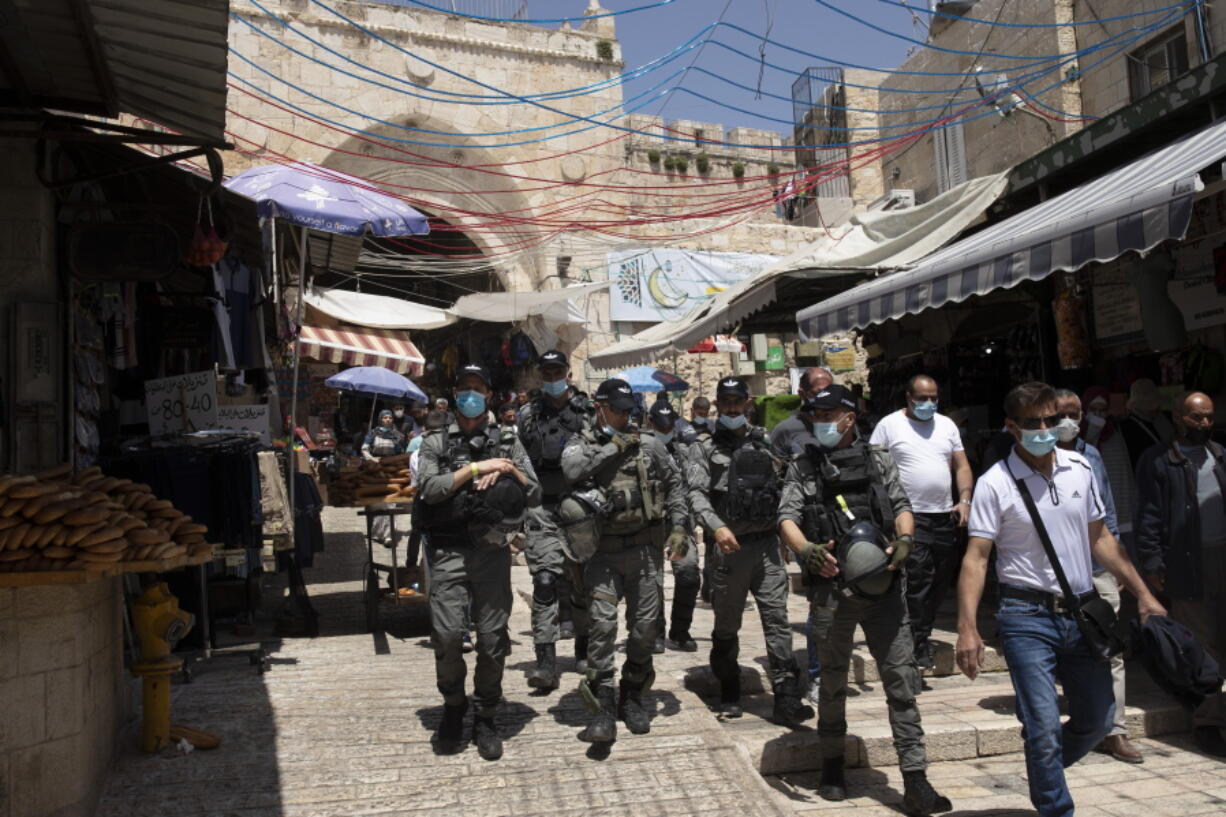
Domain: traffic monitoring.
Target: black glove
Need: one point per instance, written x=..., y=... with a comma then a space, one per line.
x=812, y=557
x=902, y=549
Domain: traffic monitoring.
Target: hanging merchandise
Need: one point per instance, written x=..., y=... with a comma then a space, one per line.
x=206, y=247
x=522, y=352
x=1203, y=369
x=1072, y=338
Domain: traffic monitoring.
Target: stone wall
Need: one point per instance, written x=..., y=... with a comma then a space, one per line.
x=62, y=696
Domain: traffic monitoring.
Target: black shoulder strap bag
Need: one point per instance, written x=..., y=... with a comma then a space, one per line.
x=1094, y=616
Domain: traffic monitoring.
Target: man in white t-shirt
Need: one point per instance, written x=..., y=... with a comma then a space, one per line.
x=1039, y=636
x=927, y=447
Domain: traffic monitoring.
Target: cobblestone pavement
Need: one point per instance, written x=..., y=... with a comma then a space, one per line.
x=341, y=725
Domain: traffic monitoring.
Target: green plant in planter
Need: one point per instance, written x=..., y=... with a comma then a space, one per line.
x=653, y=156
x=772, y=169
x=670, y=163
x=681, y=163
x=604, y=49
x=702, y=162
x=738, y=170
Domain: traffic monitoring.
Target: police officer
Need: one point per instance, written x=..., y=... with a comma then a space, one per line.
x=664, y=422
x=546, y=424
x=634, y=484
x=833, y=486
x=474, y=482
x=734, y=487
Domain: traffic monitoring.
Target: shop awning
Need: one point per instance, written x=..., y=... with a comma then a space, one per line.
x=377, y=311
x=1133, y=208
x=390, y=348
x=512, y=307
x=163, y=60
x=881, y=240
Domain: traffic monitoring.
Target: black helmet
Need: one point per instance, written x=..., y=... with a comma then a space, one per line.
x=863, y=563
x=500, y=506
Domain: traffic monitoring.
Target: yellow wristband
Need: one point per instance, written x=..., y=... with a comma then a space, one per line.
x=476, y=471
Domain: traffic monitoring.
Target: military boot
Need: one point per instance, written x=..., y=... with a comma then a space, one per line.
x=603, y=727
x=485, y=735
x=919, y=798
x=581, y=654
x=544, y=675
x=789, y=710
x=728, y=673
x=832, y=785
x=630, y=709
x=685, y=595
x=449, y=738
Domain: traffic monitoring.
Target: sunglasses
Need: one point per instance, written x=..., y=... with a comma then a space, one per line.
x=1035, y=423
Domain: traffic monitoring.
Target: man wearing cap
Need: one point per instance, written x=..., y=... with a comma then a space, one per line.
x=798, y=429
x=664, y=422
x=845, y=515
x=1039, y=634
x=735, y=483
x=464, y=475
x=926, y=447
x=546, y=424
x=642, y=512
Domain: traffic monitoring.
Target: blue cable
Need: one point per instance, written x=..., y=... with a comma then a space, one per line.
x=537, y=20
x=963, y=18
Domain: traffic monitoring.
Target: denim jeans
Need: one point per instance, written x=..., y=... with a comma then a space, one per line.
x=1043, y=648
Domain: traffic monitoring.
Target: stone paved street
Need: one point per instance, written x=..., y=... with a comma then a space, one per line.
x=341, y=725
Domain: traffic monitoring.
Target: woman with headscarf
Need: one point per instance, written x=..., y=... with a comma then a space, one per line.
x=384, y=440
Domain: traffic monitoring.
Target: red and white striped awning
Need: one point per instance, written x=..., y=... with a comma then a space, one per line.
x=390, y=348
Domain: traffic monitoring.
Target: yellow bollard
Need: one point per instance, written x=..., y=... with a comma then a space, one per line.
x=159, y=624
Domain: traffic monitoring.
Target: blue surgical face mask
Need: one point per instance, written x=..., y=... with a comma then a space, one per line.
x=1039, y=442
x=732, y=423
x=827, y=434
x=665, y=437
x=414, y=444
x=470, y=403
x=555, y=389
x=924, y=410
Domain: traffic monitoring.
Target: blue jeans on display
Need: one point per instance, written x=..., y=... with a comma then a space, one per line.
x=1043, y=648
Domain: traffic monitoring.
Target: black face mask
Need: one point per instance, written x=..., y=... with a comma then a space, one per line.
x=1197, y=435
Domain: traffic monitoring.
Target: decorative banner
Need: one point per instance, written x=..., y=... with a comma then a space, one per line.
x=660, y=285
x=246, y=418
x=187, y=402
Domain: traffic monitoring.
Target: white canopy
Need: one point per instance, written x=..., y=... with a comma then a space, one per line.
x=511, y=307
x=879, y=240
x=377, y=311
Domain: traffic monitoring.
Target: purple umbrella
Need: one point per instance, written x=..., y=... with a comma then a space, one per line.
x=322, y=199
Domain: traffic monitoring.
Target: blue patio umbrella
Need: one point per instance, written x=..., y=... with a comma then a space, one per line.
x=376, y=380
x=321, y=199
x=649, y=380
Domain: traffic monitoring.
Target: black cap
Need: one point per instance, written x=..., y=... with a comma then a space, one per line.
x=832, y=397
x=475, y=370
x=616, y=393
x=663, y=415
x=552, y=358
x=735, y=386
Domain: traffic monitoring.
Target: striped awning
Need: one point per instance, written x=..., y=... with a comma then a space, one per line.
x=390, y=348
x=1133, y=208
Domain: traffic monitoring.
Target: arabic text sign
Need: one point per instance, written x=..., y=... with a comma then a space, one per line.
x=661, y=285
x=246, y=418
x=186, y=402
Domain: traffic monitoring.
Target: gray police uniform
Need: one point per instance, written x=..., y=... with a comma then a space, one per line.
x=545, y=429
x=866, y=479
x=686, y=577
x=469, y=563
x=746, y=502
x=643, y=490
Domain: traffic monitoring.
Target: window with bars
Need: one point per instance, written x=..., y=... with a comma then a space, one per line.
x=1158, y=62
x=949, y=143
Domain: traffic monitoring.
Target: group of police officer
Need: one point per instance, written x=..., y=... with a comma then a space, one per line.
x=604, y=502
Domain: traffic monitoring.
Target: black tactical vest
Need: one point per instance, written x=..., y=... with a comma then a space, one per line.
x=848, y=473
x=745, y=482
x=447, y=521
x=545, y=435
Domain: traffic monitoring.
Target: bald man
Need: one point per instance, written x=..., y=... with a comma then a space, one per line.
x=1181, y=545
x=793, y=431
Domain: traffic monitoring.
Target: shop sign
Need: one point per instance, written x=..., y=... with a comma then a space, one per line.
x=186, y=402
x=1199, y=301
x=246, y=418
x=775, y=358
x=1117, y=309
x=840, y=358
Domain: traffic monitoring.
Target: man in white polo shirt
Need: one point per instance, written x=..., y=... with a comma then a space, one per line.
x=1039, y=636
x=926, y=447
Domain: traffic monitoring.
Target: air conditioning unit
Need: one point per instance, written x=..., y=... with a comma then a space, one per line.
x=894, y=200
